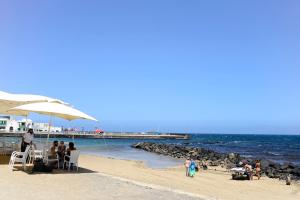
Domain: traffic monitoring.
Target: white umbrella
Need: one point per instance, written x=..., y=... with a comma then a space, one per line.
x=8, y=100
x=52, y=109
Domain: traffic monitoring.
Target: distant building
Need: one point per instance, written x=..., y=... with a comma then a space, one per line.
x=24, y=124
x=44, y=127
x=8, y=124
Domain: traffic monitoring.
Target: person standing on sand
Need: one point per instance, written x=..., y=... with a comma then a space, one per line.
x=27, y=139
x=187, y=166
x=257, y=169
x=249, y=171
x=192, y=168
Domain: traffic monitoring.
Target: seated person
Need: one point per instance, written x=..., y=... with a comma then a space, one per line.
x=53, y=148
x=52, y=155
x=61, y=150
x=204, y=165
x=71, y=148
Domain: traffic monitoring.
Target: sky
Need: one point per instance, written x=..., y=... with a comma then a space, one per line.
x=159, y=65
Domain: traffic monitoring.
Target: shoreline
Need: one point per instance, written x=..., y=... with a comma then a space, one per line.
x=210, y=184
x=226, y=160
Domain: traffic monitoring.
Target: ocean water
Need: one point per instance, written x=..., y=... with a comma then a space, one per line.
x=279, y=148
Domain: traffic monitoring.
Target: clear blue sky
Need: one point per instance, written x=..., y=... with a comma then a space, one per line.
x=187, y=66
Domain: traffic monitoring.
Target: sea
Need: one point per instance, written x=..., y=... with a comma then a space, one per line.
x=278, y=148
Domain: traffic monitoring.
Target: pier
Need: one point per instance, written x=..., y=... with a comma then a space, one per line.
x=105, y=135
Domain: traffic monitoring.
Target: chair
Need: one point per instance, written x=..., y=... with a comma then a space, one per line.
x=73, y=159
x=19, y=157
x=47, y=159
x=34, y=154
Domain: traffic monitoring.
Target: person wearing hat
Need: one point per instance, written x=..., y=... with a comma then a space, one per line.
x=27, y=139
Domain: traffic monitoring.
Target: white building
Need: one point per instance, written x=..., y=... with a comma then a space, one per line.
x=44, y=127
x=8, y=124
x=24, y=124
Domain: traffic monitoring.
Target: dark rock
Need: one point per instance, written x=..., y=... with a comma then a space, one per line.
x=265, y=164
x=296, y=171
x=269, y=168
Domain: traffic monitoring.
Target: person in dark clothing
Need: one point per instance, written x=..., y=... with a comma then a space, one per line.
x=27, y=139
x=70, y=148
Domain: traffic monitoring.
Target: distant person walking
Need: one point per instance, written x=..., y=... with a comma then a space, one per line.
x=187, y=166
x=27, y=139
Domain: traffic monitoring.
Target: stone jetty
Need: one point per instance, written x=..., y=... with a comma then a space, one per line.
x=213, y=158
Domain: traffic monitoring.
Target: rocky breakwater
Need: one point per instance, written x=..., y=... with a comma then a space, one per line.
x=269, y=168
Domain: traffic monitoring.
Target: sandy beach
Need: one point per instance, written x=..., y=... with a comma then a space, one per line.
x=108, y=178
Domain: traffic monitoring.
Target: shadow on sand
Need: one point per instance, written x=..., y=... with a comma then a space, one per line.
x=4, y=160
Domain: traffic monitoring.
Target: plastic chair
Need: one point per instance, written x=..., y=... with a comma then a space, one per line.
x=73, y=159
x=34, y=154
x=19, y=157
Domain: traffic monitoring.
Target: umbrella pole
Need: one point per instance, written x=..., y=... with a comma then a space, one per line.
x=26, y=127
x=50, y=121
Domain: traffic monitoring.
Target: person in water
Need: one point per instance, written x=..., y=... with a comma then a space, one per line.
x=187, y=166
x=192, y=168
x=257, y=169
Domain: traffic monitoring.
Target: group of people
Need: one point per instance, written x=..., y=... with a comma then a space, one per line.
x=249, y=170
x=190, y=167
x=58, y=149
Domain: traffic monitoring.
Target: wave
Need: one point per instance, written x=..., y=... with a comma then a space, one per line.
x=273, y=153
